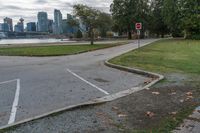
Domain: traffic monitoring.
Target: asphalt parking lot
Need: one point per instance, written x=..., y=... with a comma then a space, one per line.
x=33, y=86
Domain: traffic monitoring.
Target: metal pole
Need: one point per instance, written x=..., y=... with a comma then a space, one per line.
x=138, y=39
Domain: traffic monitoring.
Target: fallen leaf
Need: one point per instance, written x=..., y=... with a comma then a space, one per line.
x=181, y=100
x=115, y=108
x=173, y=93
x=173, y=113
x=190, y=97
x=122, y=115
x=189, y=93
x=150, y=114
x=156, y=93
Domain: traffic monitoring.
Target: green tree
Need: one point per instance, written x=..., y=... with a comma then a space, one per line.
x=90, y=18
x=172, y=16
x=127, y=12
x=157, y=24
x=190, y=10
x=79, y=34
x=73, y=22
x=105, y=23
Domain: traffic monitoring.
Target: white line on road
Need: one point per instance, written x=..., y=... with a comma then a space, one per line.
x=5, y=82
x=15, y=103
x=105, y=92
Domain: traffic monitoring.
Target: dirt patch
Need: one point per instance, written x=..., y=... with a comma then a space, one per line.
x=167, y=102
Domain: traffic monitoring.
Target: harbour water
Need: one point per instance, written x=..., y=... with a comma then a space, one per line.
x=31, y=41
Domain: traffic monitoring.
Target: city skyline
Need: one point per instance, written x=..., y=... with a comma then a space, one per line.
x=57, y=26
x=29, y=9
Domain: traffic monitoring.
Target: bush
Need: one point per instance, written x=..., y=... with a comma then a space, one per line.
x=177, y=34
x=195, y=37
x=79, y=34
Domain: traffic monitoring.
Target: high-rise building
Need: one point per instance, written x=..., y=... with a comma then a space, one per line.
x=65, y=26
x=50, y=26
x=42, y=25
x=19, y=27
x=31, y=27
x=9, y=22
x=4, y=27
x=16, y=28
x=57, y=22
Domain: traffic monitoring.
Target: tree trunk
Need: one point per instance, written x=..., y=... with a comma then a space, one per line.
x=92, y=37
x=162, y=35
x=129, y=35
x=129, y=32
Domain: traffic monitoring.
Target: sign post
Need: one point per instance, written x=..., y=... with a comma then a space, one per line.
x=138, y=27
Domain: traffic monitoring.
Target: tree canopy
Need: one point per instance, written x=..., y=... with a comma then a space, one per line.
x=159, y=17
x=93, y=19
x=126, y=12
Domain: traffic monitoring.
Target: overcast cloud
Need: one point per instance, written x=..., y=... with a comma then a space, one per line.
x=28, y=9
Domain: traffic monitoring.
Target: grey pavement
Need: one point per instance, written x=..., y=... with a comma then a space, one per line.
x=191, y=124
x=49, y=83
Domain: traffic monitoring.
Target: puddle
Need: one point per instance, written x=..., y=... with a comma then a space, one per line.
x=101, y=80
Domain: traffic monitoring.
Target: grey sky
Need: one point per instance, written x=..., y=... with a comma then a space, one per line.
x=28, y=8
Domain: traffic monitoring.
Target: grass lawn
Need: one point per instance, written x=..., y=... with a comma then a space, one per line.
x=165, y=56
x=54, y=50
x=168, y=57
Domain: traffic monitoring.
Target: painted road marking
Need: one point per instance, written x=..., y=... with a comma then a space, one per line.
x=16, y=100
x=15, y=104
x=9, y=81
x=105, y=92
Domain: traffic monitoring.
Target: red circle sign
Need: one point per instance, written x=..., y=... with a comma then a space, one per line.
x=138, y=26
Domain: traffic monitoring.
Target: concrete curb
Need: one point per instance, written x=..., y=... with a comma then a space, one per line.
x=155, y=78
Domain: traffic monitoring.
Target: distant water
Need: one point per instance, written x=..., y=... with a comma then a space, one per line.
x=32, y=41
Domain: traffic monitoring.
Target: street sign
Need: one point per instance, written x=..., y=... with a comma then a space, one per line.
x=138, y=32
x=138, y=26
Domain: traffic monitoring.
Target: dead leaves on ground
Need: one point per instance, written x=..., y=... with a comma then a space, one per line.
x=150, y=114
x=189, y=96
x=119, y=113
x=156, y=93
x=173, y=113
x=105, y=118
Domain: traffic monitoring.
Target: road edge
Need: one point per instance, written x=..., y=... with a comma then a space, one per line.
x=155, y=79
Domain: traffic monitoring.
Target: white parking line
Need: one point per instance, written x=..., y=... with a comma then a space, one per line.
x=15, y=103
x=5, y=82
x=105, y=92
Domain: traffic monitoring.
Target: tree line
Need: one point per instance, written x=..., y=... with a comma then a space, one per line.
x=178, y=18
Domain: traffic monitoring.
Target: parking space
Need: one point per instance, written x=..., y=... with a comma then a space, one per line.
x=109, y=79
x=52, y=83
x=7, y=94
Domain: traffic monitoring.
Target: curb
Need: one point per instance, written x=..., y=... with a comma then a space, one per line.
x=155, y=78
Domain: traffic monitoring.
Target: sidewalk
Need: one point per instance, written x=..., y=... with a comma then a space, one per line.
x=191, y=124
